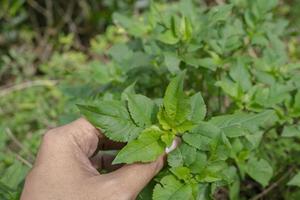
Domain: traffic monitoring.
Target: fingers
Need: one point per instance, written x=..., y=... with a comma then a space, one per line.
x=84, y=135
x=78, y=134
x=103, y=161
x=176, y=142
x=134, y=177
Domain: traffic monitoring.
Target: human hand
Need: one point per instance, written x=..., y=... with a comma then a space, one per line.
x=65, y=169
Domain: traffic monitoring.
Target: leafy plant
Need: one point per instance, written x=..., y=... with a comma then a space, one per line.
x=150, y=126
x=240, y=57
x=235, y=55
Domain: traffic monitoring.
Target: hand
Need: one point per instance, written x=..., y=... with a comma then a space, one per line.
x=65, y=169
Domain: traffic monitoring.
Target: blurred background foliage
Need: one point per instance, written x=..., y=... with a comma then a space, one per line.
x=54, y=54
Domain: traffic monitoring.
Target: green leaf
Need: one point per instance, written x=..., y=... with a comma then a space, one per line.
x=128, y=91
x=182, y=155
x=220, y=13
x=174, y=126
x=120, y=53
x=259, y=170
x=199, y=163
x=172, y=189
x=175, y=103
x=235, y=130
x=168, y=37
x=291, y=131
x=213, y=171
x=172, y=62
x=134, y=27
x=265, y=6
x=297, y=101
x=202, y=136
x=173, y=115
x=14, y=174
x=168, y=138
x=185, y=29
x=203, y=192
x=198, y=110
x=241, y=75
x=182, y=173
x=113, y=119
x=141, y=109
x=295, y=181
x=208, y=63
x=229, y=87
x=242, y=121
x=144, y=149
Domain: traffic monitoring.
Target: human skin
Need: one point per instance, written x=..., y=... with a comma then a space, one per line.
x=66, y=168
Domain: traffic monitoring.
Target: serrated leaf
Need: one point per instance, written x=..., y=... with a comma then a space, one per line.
x=198, y=110
x=199, y=163
x=174, y=126
x=168, y=138
x=146, y=148
x=182, y=155
x=134, y=27
x=240, y=74
x=141, y=109
x=128, y=91
x=291, y=131
x=185, y=29
x=172, y=189
x=235, y=130
x=213, y=171
x=295, y=181
x=247, y=121
x=120, y=52
x=172, y=62
x=220, y=13
x=168, y=37
x=229, y=87
x=113, y=119
x=202, y=136
x=173, y=115
x=182, y=173
x=259, y=170
x=297, y=100
x=175, y=103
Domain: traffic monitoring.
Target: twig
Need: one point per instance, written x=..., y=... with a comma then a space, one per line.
x=6, y=90
x=273, y=186
x=21, y=159
x=37, y=7
x=18, y=143
x=49, y=13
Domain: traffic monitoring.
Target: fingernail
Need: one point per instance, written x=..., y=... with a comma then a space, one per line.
x=173, y=146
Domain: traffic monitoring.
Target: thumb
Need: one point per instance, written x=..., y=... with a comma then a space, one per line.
x=134, y=177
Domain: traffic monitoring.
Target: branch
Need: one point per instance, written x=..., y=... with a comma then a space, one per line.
x=37, y=7
x=9, y=89
x=21, y=159
x=18, y=143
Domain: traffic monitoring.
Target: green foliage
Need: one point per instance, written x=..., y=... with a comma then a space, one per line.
x=237, y=113
x=206, y=145
x=250, y=90
x=295, y=180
